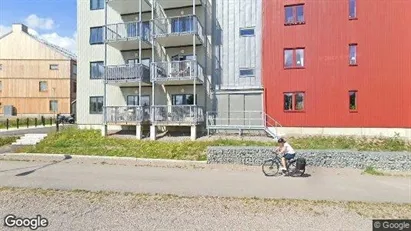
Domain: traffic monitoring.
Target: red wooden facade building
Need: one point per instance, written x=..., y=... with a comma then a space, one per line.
x=338, y=63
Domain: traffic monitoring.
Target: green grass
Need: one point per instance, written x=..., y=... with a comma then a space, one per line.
x=90, y=142
x=7, y=140
x=372, y=171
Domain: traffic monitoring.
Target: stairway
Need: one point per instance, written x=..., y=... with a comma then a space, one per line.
x=270, y=127
x=28, y=140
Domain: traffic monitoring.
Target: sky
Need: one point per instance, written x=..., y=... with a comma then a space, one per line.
x=52, y=20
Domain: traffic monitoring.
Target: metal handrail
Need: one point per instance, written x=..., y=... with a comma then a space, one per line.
x=246, y=119
x=127, y=114
x=191, y=114
x=127, y=31
x=127, y=72
x=164, y=26
x=177, y=70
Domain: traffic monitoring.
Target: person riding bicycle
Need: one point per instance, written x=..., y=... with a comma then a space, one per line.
x=286, y=150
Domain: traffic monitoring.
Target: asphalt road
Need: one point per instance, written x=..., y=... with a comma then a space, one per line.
x=323, y=184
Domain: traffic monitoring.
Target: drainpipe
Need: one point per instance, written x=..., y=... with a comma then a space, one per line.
x=153, y=60
x=139, y=54
x=194, y=54
x=105, y=76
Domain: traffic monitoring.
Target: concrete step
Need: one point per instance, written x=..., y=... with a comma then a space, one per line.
x=29, y=139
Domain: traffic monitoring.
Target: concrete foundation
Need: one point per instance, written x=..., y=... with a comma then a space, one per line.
x=104, y=130
x=153, y=132
x=139, y=131
x=193, y=132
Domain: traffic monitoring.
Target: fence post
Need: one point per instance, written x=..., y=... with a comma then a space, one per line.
x=7, y=124
x=43, y=122
x=18, y=120
x=35, y=122
x=28, y=121
x=51, y=121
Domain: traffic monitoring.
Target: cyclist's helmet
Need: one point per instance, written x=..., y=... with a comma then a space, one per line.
x=281, y=140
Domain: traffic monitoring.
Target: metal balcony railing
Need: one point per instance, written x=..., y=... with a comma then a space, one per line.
x=177, y=70
x=127, y=114
x=128, y=31
x=179, y=25
x=127, y=73
x=177, y=114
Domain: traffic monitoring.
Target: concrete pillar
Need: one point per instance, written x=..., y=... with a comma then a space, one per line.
x=153, y=132
x=104, y=130
x=193, y=132
x=139, y=130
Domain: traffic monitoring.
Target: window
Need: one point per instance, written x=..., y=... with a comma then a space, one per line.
x=132, y=29
x=353, y=100
x=96, y=104
x=74, y=86
x=96, y=70
x=246, y=72
x=42, y=86
x=182, y=24
x=353, y=9
x=54, y=67
x=183, y=99
x=132, y=100
x=245, y=32
x=294, y=101
x=96, y=35
x=294, y=58
x=96, y=4
x=74, y=69
x=53, y=105
x=353, y=54
x=294, y=14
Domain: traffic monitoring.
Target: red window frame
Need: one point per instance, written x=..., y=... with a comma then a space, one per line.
x=294, y=58
x=294, y=8
x=294, y=101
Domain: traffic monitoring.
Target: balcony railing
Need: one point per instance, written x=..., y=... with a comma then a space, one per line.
x=128, y=31
x=177, y=114
x=127, y=114
x=127, y=73
x=177, y=70
x=179, y=25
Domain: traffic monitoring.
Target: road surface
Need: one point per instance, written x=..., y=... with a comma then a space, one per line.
x=323, y=184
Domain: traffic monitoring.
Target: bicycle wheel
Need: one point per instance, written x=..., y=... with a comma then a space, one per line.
x=293, y=171
x=270, y=167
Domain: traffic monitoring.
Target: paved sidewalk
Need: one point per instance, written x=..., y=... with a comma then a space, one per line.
x=323, y=184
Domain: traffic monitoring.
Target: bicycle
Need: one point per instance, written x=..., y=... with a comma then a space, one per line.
x=271, y=167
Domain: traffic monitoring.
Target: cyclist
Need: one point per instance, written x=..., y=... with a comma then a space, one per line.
x=286, y=150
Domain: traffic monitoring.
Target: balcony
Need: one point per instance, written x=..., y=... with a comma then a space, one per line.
x=167, y=4
x=178, y=31
x=177, y=72
x=126, y=36
x=127, y=115
x=128, y=7
x=177, y=115
x=127, y=74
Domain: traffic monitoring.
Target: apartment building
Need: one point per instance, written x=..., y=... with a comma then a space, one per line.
x=36, y=77
x=338, y=67
x=163, y=65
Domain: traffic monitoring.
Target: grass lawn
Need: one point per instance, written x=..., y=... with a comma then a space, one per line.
x=90, y=142
x=7, y=140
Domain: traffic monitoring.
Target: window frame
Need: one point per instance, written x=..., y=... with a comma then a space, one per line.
x=355, y=45
x=51, y=105
x=354, y=16
x=91, y=70
x=47, y=87
x=294, y=58
x=247, y=29
x=356, y=101
x=295, y=20
x=138, y=100
x=97, y=8
x=246, y=69
x=102, y=35
x=294, y=95
x=173, y=99
x=102, y=107
x=56, y=67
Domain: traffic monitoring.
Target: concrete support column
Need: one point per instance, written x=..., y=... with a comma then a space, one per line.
x=139, y=129
x=153, y=132
x=193, y=132
x=104, y=130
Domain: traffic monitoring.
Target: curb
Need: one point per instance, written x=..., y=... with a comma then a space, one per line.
x=93, y=159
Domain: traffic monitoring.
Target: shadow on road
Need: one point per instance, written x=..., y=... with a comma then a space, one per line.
x=66, y=157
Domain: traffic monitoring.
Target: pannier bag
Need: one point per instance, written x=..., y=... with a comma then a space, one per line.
x=300, y=165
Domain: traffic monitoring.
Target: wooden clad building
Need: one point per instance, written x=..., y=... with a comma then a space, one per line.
x=36, y=77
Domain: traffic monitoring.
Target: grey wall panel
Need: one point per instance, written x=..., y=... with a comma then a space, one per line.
x=235, y=51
